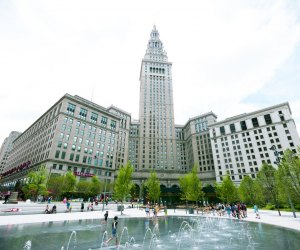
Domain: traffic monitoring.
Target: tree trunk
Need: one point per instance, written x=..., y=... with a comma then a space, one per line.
x=277, y=206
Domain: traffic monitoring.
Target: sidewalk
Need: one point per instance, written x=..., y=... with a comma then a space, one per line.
x=269, y=217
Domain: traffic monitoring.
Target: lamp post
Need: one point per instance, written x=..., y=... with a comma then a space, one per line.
x=277, y=162
x=103, y=201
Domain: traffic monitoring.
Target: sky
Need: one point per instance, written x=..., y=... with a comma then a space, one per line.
x=229, y=57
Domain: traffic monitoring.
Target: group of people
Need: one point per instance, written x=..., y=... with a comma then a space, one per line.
x=155, y=210
x=235, y=210
x=50, y=211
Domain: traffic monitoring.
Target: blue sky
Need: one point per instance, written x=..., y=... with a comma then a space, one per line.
x=229, y=57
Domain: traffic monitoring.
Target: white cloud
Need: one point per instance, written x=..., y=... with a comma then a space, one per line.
x=222, y=51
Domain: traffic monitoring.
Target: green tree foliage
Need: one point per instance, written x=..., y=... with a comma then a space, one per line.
x=184, y=186
x=95, y=186
x=153, y=187
x=123, y=183
x=135, y=192
x=289, y=175
x=191, y=186
x=227, y=191
x=69, y=182
x=195, y=186
x=84, y=187
x=266, y=177
x=36, y=184
x=250, y=191
x=55, y=186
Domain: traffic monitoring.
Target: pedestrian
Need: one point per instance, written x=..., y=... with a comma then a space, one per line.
x=255, y=208
x=68, y=205
x=6, y=199
x=82, y=207
x=47, y=210
x=65, y=200
x=228, y=210
x=166, y=210
x=147, y=210
x=105, y=217
x=53, y=210
x=114, y=231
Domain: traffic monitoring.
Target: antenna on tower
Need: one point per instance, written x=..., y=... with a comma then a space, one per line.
x=92, y=93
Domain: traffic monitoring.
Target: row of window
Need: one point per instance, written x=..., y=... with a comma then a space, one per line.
x=255, y=124
x=93, y=117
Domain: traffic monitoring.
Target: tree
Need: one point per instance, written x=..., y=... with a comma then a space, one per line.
x=69, y=182
x=266, y=177
x=55, y=186
x=153, y=187
x=36, y=184
x=289, y=175
x=195, y=192
x=227, y=191
x=184, y=186
x=191, y=186
x=123, y=183
x=249, y=191
x=95, y=186
x=83, y=187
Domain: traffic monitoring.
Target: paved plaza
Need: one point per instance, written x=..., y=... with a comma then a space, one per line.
x=33, y=213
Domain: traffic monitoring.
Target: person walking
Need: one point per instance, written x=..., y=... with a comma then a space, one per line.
x=113, y=231
x=255, y=208
x=105, y=217
x=68, y=205
x=147, y=210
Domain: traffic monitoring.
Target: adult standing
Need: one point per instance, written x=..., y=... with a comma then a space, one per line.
x=68, y=205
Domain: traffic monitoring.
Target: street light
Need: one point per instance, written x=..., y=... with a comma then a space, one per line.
x=103, y=201
x=277, y=162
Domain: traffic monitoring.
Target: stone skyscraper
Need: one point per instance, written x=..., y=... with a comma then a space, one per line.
x=157, y=141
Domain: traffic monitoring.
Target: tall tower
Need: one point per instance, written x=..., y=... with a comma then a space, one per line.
x=157, y=144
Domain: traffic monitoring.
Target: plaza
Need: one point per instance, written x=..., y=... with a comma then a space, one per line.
x=89, y=89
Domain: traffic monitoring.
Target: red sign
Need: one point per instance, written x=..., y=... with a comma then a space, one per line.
x=17, y=169
x=83, y=174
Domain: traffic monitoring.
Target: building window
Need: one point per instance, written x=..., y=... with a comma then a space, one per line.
x=243, y=125
x=113, y=124
x=77, y=158
x=232, y=128
x=71, y=157
x=82, y=113
x=63, y=155
x=255, y=122
x=71, y=109
x=268, y=119
x=222, y=130
x=57, y=154
x=94, y=117
x=104, y=121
